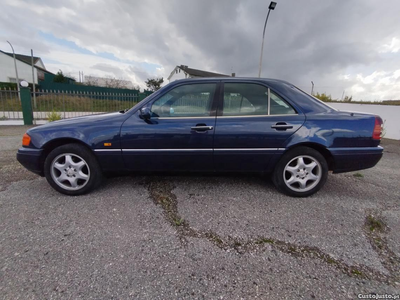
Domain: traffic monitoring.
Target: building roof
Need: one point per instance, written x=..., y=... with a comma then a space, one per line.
x=25, y=58
x=196, y=72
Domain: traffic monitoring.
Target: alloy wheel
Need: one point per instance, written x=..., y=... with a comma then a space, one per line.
x=70, y=171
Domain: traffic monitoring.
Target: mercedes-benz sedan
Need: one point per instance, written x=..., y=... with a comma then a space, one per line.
x=209, y=125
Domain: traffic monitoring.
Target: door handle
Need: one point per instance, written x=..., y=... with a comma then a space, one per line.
x=202, y=128
x=281, y=126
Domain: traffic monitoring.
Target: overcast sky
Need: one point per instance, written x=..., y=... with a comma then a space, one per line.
x=349, y=47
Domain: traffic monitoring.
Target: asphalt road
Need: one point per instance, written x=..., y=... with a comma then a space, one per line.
x=219, y=237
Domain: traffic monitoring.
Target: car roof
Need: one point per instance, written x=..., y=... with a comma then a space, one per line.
x=267, y=80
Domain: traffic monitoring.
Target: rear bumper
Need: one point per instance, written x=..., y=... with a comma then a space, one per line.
x=353, y=159
x=31, y=159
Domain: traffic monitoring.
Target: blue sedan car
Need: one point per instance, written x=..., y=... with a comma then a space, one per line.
x=209, y=125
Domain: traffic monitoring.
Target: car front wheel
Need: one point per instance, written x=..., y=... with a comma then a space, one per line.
x=72, y=169
x=301, y=172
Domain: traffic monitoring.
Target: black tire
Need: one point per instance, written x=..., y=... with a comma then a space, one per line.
x=295, y=179
x=72, y=170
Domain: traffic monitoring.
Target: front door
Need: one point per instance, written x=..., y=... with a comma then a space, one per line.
x=179, y=134
x=252, y=125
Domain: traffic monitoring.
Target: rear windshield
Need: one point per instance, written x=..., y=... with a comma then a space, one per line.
x=315, y=100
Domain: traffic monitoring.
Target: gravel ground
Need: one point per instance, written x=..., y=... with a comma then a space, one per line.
x=232, y=237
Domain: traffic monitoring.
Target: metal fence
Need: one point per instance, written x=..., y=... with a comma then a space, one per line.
x=10, y=105
x=64, y=104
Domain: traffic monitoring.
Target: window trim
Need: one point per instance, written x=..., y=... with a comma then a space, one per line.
x=259, y=116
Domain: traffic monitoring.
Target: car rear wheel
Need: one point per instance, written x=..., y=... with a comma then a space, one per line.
x=301, y=172
x=72, y=169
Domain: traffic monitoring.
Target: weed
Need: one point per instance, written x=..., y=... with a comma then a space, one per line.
x=213, y=237
x=374, y=224
x=330, y=260
x=264, y=241
x=179, y=222
x=358, y=175
x=383, y=132
x=3, y=118
x=356, y=272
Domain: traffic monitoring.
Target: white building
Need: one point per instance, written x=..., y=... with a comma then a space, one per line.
x=24, y=67
x=181, y=72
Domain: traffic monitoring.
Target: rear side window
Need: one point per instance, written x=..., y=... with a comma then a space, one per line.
x=280, y=106
x=249, y=99
x=191, y=100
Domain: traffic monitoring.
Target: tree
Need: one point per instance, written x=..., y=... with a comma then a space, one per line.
x=109, y=82
x=348, y=99
x=136, y=87
x=59, y=77
x=154, y=84
x=91, y=81
x=112, y=82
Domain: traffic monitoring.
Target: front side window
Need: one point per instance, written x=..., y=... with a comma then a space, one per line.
x=192, y=100
x=249, y=99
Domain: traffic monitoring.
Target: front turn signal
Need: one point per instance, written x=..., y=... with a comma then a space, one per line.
x=26, y=140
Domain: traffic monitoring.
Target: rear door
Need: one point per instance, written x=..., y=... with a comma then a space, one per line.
x=252, y=124
x=179, y=134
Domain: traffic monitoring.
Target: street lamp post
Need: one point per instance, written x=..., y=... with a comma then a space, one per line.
x=16, y=71
x=272, y=6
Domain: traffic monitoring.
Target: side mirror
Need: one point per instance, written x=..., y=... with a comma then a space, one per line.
x=145, y=113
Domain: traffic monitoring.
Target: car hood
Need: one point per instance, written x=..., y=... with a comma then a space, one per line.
x=85, y=120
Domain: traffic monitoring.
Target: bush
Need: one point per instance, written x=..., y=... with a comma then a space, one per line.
x=53, y=116
x=8, y=85
x=323, y=97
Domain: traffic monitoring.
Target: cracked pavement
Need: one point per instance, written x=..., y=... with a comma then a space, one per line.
x=158, y=237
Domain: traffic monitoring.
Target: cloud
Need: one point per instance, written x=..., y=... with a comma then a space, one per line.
x=393, y=46
x=309, y=40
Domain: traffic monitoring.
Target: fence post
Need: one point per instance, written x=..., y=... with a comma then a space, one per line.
x=26, y=102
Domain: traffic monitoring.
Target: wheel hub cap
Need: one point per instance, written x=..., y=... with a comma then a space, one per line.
x=302, y=174
x=70, y=172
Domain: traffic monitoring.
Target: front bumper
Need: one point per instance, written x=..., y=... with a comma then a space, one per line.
x=31, y=159
x=357, y=158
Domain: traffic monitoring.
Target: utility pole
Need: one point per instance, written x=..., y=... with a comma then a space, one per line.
x=33, y=80
x=312, y=88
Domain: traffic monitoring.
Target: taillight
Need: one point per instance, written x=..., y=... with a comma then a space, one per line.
x=26, y=140
x=376, y=134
